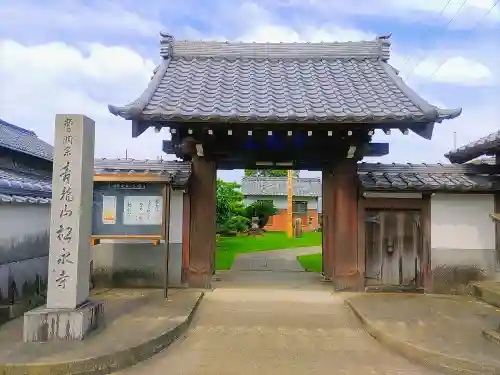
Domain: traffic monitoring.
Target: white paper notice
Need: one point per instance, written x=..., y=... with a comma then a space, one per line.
x=109, y=209
x=141, y=210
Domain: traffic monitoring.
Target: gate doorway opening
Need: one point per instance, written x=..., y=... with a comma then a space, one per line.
x=263, y=252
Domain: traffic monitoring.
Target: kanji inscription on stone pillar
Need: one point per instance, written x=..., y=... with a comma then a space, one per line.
x=71, y=212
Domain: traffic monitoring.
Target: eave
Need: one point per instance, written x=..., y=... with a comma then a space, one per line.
x=485, y=146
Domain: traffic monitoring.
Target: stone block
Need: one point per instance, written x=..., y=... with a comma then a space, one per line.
x=45, y=324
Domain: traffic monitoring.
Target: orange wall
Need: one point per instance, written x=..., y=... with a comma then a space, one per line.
x=278, y=221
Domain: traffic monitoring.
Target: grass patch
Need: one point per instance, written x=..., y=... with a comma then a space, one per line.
x=311, y=262
x=229, y=247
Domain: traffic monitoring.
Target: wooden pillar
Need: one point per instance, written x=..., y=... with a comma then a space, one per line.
x=426, y=265
x=327, y=194
x=202, y=225
x=496, y=210
x=346, y=272
x=186, y=221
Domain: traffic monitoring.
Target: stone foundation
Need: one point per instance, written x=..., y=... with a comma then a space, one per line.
x=43, y=324
x=135, y=265
x=455, y=279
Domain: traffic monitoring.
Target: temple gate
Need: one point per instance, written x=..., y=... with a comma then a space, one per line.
x=311, y=106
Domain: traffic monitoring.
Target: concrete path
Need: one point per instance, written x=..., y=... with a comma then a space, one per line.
x=274, y=260
x=298, y=328
x=277, y=269
x=444, y=331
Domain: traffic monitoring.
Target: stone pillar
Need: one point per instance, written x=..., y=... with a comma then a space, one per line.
x=175, y=237
x=69, y=314
x=202, y=226
x=327, y=194
x=346, y=275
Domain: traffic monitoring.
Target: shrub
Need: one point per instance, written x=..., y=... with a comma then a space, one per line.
x=238, y=224
x=261, y=209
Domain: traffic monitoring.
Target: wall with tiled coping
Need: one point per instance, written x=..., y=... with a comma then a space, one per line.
x=24, y=245
x=462, y=237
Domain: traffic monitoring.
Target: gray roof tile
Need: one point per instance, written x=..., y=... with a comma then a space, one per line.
x=273, y=186
x=392, y=177
x=429, y=177
x=179, y=171
x=241, y=82
x=483, y=146
x=485, y=160
x=18, y=186
x=22, y=140
x=21, y=187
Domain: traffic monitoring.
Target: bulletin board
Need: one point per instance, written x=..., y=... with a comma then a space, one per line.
x=129, y=209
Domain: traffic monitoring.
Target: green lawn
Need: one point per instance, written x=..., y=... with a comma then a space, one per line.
x=229, y=247
x=311, y=262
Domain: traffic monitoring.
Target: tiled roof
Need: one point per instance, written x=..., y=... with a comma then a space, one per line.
x=22, y=140
x=392, y=177
x=485, y=160
x=21, y=187
x=483, y=146
x=178, y=171
x=273, y=186
x=429, y=177
x=267, y=82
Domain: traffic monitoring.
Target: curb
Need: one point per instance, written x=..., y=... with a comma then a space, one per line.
x=108, y=363
x=430, y=359
x=492, y=335
x=487, y=295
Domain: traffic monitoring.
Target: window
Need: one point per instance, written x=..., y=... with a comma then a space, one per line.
x=299, y=207
x=270, y=201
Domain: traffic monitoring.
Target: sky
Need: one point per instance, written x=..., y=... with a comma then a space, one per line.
x=75, y=56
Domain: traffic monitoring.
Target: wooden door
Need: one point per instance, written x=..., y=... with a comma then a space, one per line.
x=393, y=243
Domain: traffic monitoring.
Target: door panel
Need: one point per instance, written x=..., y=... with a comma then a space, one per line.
x=393, y=247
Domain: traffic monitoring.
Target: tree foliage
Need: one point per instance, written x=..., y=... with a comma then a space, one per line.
x=269, y=173
x=261, y=209
x=229, y=201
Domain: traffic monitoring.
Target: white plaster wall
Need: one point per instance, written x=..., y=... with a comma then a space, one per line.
x=176, y=212
x=281, y=201
x=462, y=232
x=17, y=221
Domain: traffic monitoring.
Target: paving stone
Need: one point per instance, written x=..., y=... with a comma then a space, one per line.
x=249, y=327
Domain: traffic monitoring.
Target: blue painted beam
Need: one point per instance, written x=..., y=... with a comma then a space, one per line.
x=376, y=149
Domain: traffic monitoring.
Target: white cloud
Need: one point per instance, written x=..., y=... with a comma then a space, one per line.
x=40, y=81
x=263, y=32
x=456, y=70
x=445, y=69
x=435, y=12
x=34, y=17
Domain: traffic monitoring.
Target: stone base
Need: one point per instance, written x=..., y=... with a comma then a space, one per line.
x=348, y=283
x=43, y=324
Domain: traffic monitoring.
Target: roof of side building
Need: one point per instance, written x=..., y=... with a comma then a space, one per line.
x=487, y=145
x=24, y=141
